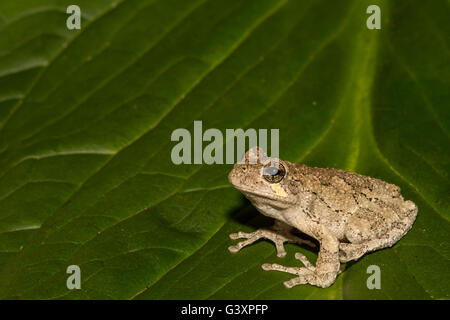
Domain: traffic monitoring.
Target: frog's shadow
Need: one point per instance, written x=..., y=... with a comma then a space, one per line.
x=247, y=215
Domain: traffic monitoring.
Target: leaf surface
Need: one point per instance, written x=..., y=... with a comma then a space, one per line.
x=86, y=116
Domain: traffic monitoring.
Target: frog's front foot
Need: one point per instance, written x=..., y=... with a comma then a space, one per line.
x=277, y=234
x=305, y=275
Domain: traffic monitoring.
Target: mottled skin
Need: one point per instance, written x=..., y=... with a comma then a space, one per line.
x=347, y=213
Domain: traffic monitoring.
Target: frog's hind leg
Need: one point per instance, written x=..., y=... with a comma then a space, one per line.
x=354, y=251
x=384, y=236
x=280, y=233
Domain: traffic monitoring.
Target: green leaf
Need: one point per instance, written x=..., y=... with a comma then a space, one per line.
x=86, y=118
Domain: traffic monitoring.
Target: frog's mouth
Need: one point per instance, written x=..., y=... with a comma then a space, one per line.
x=278, y=194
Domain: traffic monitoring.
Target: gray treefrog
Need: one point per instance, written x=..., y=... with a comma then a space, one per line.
x=347, y=213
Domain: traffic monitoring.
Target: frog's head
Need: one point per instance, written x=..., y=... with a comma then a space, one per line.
x=263, y=180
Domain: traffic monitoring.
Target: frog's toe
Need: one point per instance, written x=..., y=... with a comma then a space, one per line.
x=242, y=244
x=312, y=278
x=305, y=276
x=291, y=270
x=240, y=235
x=296, y=281
x=303, y=259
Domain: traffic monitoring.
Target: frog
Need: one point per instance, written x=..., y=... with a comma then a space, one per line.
x=347, y=214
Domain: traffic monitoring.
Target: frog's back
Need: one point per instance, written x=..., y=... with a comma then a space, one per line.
x=348, y=191
x=345, y=180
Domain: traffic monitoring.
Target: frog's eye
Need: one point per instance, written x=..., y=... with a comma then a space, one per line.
x=273, y=174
